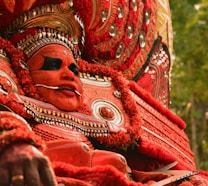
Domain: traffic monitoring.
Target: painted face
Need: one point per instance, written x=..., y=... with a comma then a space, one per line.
x=55, y=73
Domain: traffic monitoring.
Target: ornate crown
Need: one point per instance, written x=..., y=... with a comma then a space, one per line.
x=54, y=23
x=42, y=37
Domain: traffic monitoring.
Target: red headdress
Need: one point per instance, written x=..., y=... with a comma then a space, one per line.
x=42, y=24
x=119, y=34
x=34, y=24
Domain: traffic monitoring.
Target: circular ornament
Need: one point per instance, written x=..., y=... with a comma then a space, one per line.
x=105, y=110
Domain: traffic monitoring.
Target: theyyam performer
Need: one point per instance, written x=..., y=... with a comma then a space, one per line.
x=84, y=96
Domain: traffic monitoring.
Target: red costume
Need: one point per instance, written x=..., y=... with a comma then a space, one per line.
x=124, y=99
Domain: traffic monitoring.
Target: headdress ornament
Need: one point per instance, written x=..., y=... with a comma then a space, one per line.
x=49, y=23
x=42, y=23
x=3, y=55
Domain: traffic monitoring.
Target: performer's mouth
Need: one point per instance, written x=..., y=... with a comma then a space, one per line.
x=59, y=88
x=69, y=89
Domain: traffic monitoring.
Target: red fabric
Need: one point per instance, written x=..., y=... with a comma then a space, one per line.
x=100, y=175
x=199, y=180
x=16, y=130
x=72, y=182
x=147, y=97
x=142, y=162
x=162, y=154
x=203, y=174
x=144, y=177
x=186, y=183
x=154, y=75
x=108, y=175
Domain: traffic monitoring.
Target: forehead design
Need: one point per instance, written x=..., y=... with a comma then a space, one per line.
x=51, y=51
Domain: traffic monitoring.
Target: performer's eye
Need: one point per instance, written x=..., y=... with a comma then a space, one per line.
x=74, y=68
x=51, y=63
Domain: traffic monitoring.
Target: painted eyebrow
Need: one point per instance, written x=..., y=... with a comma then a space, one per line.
x=51, y=63
x=74, y=68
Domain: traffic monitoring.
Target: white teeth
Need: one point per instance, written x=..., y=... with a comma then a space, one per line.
x=65, y=88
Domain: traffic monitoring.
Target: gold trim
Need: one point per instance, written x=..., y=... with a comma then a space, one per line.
x=164, y=24
x=61, y=17
x=4, y=56
x=89, y=127
x=32, y=43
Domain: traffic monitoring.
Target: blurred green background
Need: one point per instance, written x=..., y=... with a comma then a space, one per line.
x=189, y=75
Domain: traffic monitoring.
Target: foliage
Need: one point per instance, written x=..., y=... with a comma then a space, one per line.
x=189, y=87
